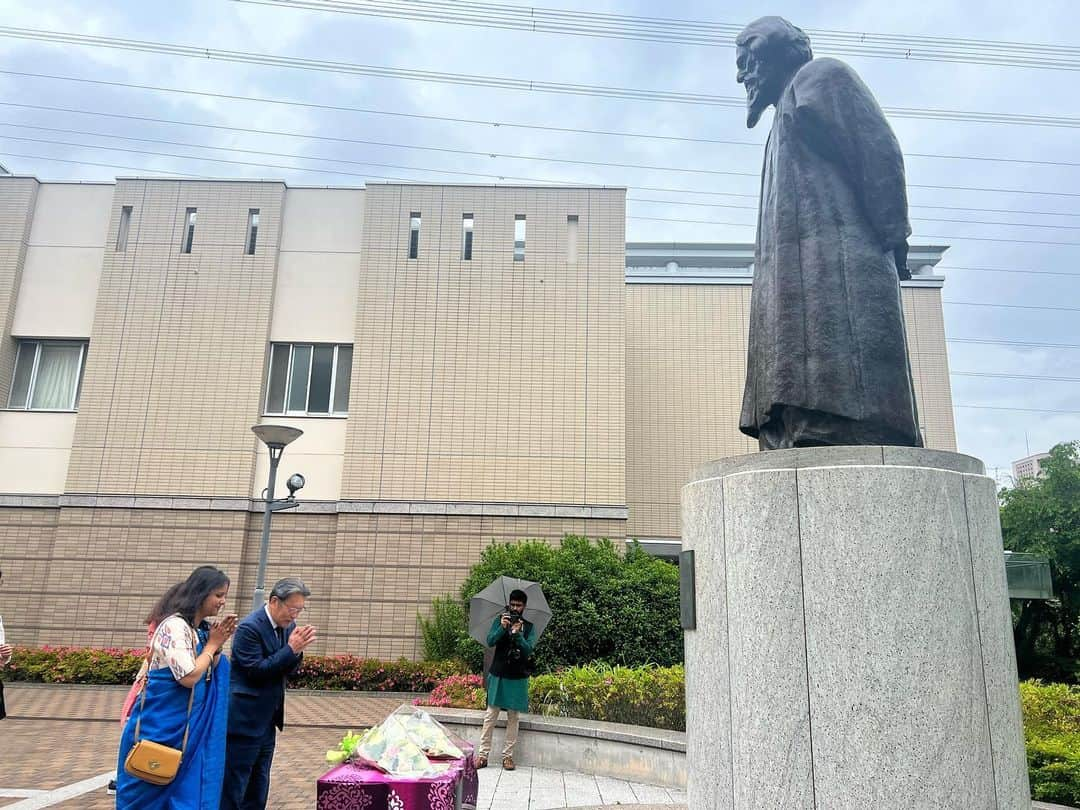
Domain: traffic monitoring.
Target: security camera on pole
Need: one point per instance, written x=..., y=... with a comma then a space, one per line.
x=275, y=437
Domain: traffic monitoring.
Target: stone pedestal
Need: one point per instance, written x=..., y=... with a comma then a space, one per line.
x=853, y=646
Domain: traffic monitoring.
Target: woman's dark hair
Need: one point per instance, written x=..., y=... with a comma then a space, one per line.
x=192, y=592
x=161, y=607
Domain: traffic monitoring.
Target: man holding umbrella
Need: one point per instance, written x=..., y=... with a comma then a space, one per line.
x=508, y=680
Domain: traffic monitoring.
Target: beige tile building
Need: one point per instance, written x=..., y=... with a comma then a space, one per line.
x=469, y=364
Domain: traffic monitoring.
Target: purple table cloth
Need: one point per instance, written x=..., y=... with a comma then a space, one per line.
x=351, y=786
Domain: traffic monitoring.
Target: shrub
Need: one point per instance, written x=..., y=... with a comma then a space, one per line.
x=73, y=665
x=352, y=673
x=446, y=632
x=1052, y=735
x=341, y=672
x=643, y=696
x=606, y=607
x=457, y=692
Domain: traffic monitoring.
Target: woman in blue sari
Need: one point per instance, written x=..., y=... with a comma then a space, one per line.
x=185, y=655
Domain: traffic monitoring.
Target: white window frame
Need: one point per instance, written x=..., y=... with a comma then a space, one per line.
x=82, y=344
x=307, y=385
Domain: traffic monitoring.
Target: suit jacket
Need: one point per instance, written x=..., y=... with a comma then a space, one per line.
x=260, y=665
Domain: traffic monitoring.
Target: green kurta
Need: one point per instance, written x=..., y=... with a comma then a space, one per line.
x=511, y=694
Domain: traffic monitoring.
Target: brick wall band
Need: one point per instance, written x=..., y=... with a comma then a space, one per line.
x=87, y=576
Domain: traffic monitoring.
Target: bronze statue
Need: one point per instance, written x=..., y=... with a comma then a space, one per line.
x=828, y=360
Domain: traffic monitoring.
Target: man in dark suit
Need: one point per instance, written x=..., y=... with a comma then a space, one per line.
x=267, y=647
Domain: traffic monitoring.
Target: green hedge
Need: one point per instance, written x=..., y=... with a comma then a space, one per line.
x=1052, y=734
x=73, y=665
x=642, y=696
x=339, y=672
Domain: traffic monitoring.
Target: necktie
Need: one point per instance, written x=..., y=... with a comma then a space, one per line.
x=280, y=636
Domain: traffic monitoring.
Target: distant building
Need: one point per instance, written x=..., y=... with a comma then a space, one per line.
x=1030, y=467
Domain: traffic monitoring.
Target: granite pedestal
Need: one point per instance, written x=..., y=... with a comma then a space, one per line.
x=853, y=646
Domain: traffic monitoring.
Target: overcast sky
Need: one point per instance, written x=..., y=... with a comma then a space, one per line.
x=997, y=436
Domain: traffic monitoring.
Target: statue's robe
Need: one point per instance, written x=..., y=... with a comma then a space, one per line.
x=828, y=361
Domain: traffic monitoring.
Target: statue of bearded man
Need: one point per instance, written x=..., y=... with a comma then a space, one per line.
x=828, y=360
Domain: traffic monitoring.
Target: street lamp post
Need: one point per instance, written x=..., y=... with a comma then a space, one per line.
x=275, y=437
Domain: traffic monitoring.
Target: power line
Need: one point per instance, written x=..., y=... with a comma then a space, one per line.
x=951, y=267
x=697, y=32
x=498, y=82
x=913, y=219
x=1004, y=408
x=1020, y=343
x=470, y=121
x=922, y=236
x=538, y=158
x=1010, y=306
x=417, y=169
x=1004, y=376
x=489, y=154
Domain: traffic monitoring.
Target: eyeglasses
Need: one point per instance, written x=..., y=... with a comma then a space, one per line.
x=295, y=611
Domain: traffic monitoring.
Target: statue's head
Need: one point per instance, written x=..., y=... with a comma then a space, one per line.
x=767, y=54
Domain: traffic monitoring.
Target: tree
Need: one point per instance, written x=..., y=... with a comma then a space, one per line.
x=606, y=606
x=1042, y=516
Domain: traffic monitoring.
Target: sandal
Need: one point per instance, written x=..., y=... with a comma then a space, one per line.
x=481, y=762
x=508, y=763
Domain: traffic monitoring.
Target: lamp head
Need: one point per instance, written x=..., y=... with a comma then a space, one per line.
x=276, y=435
x=296, y=482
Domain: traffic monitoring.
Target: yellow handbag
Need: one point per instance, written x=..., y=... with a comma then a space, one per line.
x=150, y=761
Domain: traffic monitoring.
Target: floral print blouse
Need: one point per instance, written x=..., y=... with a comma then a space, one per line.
x=174, y=646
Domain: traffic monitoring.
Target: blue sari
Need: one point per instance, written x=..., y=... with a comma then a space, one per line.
x=197, y=785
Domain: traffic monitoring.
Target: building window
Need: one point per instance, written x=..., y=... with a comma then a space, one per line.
x=466, y=237
x=189, y=230
x=519, y=238
x=571, y=238
x=252, y=231
x=122, y=231
x=309, y=378
x=414, y=234
x=48, y=375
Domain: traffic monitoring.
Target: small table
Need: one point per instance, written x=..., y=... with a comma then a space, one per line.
x=351, y=786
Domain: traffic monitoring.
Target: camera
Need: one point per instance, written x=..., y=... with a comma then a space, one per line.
x=513, y=615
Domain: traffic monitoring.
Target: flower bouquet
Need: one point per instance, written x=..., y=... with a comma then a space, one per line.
x=429, y=734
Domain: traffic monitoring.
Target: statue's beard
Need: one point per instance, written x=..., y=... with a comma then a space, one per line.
x=755, y=106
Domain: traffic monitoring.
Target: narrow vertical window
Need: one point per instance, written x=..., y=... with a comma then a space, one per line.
x=252, y=231
x=342, y=379
x=571, y=238
x=466, y=237
x=122, y=231
x=414, y=234
x=189, y=230
x=519, y=238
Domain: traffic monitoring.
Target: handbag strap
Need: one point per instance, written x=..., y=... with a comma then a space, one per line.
x=142, y=700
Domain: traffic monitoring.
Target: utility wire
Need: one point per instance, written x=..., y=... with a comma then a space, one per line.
x=951, y=267
x=471, y=121
x=472, y=153
x=696, y=32
x=1020, y=343
x=920, y=236
x=424, y=169
x=1003, y=376
x=1004, y=408
x=480, y=80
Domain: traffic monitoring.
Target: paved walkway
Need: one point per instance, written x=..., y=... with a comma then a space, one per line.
x=77, y=725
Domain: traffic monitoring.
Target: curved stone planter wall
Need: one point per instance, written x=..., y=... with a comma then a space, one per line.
x=637, y=754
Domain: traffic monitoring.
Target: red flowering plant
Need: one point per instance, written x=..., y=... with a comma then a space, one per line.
x=456, y=692
x=352, y=673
